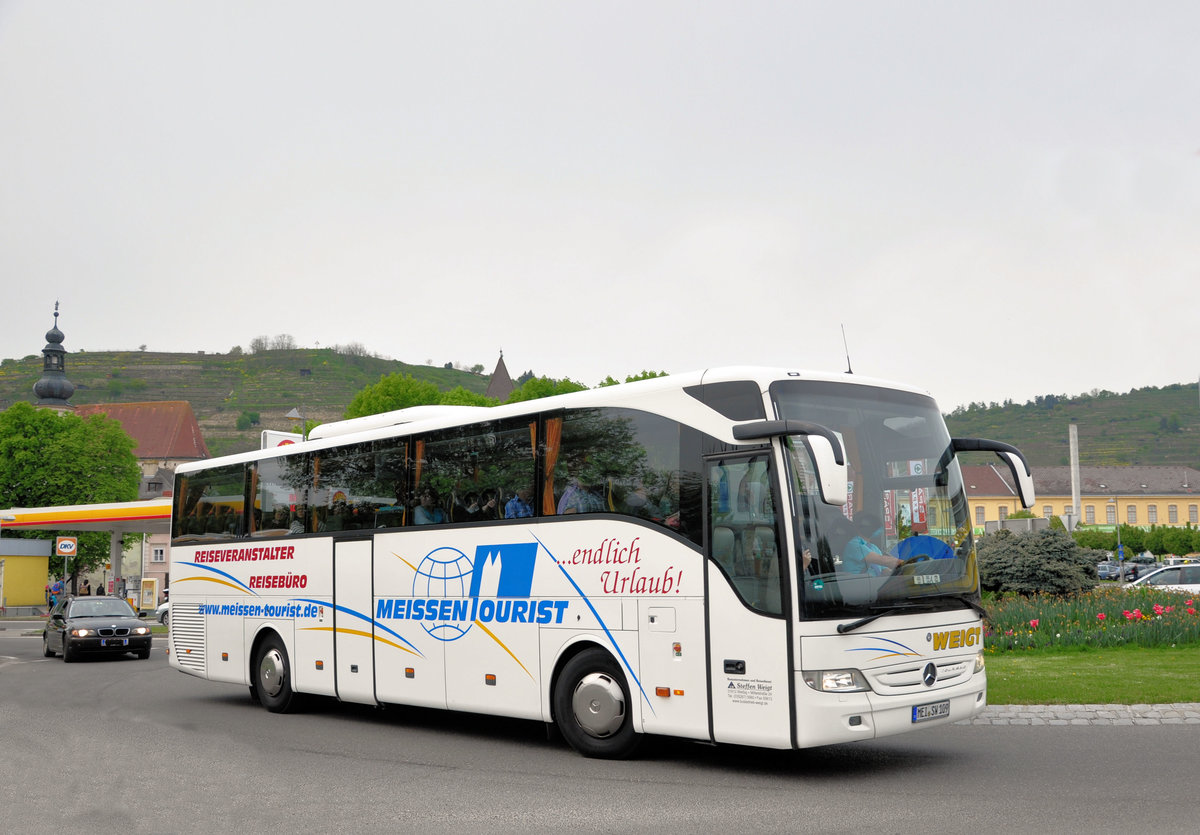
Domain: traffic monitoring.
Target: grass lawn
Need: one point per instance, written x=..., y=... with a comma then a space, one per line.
x=1119, y=675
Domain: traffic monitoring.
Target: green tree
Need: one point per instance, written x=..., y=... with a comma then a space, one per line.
x=1155, y=541
x=248, y=419
x=1134, y=540
x=645, y=375
x=642, y=375
x=543, y=387
x=1089, y=537
x=49, y=459
x=393, y=391
x=1179, y=541
x=460, y=396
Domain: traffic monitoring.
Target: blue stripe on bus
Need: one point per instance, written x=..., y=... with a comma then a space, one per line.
x=600, y=621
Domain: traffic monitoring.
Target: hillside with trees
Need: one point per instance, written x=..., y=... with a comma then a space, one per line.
x=1146, y=427
x=237, y=394
x=234, y=395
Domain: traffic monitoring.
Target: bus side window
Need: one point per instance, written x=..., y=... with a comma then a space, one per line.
x=282, y=495
x=743, y=539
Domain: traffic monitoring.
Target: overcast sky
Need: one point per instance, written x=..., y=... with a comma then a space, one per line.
x=994, y=200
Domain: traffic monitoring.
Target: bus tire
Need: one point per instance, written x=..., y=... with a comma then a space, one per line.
x=272, y=676
x=592, y=707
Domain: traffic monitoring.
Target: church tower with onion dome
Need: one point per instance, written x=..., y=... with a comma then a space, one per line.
x=53, y=390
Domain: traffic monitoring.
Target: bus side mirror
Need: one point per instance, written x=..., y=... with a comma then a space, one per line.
x=822, y=443
x=1020, y=470
x=1010, y=455
x=831, y=467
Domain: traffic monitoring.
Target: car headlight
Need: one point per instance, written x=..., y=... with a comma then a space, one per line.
x=141, y=630
x=836, y=681
x=80, y=633
x=978, y=662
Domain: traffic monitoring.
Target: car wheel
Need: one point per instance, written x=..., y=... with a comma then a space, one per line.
x=46, y=651
x=273, y=676
x=69, y=655
x=143, y=653
x=165, y=620
x=591, y=707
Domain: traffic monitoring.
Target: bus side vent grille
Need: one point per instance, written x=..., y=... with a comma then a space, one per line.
x=187, y=636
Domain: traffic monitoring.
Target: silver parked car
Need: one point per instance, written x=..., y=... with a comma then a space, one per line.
x=1174, y=577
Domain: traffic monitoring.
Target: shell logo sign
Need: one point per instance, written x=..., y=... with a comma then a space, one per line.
x=66, y=546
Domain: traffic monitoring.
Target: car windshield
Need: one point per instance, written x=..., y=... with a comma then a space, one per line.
x=904, y=537
x=104, y=607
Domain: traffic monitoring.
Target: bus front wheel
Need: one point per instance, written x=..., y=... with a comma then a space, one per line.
x=592, y=708
x=273, y=676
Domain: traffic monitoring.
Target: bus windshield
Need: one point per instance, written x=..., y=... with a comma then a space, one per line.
x=903, y=540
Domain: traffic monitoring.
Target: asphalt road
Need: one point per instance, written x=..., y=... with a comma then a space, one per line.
x=133, y=746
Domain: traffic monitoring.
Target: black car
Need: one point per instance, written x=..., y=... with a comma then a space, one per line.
x=94, y=625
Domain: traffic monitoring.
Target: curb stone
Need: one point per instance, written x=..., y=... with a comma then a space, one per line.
x=1184, y=713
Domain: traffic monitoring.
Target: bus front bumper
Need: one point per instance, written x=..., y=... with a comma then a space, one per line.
x=831, y=718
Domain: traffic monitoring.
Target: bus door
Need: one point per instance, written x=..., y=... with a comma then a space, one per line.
x=354, y=641
x=747, y=629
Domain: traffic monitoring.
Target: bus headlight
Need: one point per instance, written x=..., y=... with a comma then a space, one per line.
x=835, y=681
x=978, y=663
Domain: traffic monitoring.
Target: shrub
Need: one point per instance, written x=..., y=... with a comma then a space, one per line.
x=1046, y=561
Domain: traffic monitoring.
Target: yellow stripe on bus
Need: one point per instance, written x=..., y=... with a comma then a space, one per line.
x=361, y=634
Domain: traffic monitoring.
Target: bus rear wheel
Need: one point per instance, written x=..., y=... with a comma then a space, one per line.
x=273, y=676
x=592, y=707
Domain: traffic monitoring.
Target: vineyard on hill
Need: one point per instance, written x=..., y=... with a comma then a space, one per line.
x=1146, y=427
x=223, y=387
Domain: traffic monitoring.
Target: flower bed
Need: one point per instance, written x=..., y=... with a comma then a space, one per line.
x=1103, y=617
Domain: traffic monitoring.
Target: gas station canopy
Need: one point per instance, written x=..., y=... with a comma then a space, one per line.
x=149, y=516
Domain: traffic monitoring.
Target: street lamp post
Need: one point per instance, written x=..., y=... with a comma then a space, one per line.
x=1120, y=550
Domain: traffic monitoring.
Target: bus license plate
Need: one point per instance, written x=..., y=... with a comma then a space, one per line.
x=936, y=710
x=124, y=642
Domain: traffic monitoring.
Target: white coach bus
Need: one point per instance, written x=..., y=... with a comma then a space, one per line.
x=745, y=555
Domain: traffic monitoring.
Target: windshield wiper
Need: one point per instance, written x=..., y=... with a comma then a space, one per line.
x=971, y=604
x=843, y=628
x=926, y=603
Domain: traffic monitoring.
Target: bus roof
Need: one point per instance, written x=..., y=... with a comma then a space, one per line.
x=653, y=393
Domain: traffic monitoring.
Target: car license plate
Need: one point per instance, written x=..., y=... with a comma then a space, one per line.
x=124, y=642
x=936, y=710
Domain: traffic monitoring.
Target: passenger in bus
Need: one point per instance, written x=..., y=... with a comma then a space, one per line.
x=637, y=503
x=580, y=498
x=279, y=520
x=519, y=507
x=198, y=523
x=860, y=553
x=336, y=520
x=429, y=511
x=467, y=508
x=489, y=506
x=215, y=521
